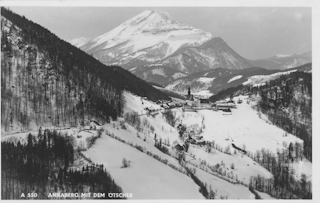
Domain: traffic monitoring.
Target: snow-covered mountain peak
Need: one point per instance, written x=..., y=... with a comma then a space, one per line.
x=153, y=15
x=154, y=37
x=150, y=29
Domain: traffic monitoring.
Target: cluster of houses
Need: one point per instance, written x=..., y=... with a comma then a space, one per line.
x=195, y=140
x=190, y=136
x=168, y=104
x=194, y=103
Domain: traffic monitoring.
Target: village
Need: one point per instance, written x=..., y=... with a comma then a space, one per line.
x=191, y=135
x=193, y=103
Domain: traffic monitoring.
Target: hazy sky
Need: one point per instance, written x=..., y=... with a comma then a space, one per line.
x=252, y=32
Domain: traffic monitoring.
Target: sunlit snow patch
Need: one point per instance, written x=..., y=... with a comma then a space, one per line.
x=206, y=80
x=235, y=78
x=158, y=71
x=262, y=79
x=178, y=75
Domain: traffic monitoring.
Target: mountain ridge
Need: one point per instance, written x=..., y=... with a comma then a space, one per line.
x=284, y=61
x=207, y=83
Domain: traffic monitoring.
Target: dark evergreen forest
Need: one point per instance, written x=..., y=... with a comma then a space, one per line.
x=287, y=101
x=41, y=165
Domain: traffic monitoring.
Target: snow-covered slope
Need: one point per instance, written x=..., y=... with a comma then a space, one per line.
x=219, y=131
x=244, y=127
x=153, y=37
x=146, y=178
x=150, y=29
x=262, y=79
x=198, y=85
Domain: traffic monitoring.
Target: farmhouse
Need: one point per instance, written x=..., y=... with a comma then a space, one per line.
x=204, y=101
x=177, y=146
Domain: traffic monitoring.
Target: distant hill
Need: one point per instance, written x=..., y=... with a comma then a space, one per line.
x=213, y=81
x=157, y=73
x=283, y=61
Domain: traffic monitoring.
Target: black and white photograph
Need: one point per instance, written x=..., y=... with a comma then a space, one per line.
x=159, y=100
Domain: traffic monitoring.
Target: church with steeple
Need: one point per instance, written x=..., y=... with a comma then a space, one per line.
x=189, y=95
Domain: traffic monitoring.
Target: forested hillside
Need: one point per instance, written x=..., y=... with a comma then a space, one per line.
x=46, y=80
x=287, y=101
x=41, y=166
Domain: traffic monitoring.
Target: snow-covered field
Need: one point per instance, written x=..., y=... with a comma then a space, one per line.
x=224, y=188
x=245, y=129
x=130, y=135
x=161, y=128
x=242, y=127
x=244, y=167
x=145, y=178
